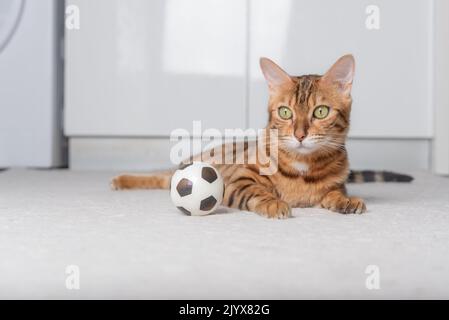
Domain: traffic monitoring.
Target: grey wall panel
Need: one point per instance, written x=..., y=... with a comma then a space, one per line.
x=153, y=154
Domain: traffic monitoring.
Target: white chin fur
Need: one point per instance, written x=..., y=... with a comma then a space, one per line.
x=304, y=150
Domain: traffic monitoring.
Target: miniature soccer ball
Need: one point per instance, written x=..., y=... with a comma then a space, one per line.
x=197, y=189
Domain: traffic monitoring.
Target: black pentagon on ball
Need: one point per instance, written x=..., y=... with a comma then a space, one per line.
x=185, y=211
x=184, y=187
x=209, y=174
x=208, y=204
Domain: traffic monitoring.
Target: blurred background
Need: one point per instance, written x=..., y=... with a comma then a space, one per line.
x=100, y=85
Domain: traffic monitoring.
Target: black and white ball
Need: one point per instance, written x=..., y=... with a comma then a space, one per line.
x=197, y=189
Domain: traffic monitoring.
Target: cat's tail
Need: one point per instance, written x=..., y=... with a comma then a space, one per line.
x=378, y=176
x=159, y=180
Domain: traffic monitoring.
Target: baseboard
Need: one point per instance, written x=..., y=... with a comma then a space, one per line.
x=146, y=154
x=390, y=154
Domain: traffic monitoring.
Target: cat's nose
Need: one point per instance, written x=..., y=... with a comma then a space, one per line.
x=300, y=135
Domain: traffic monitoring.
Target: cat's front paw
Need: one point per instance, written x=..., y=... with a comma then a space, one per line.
x=274, y=209
x=345, y=205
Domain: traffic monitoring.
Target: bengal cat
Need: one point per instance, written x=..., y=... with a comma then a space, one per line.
x=311, y=114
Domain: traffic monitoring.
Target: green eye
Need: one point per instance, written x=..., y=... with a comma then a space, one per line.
x=285, y=113
x=321, y=112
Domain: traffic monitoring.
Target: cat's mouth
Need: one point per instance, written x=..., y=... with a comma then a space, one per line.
x=304, y=147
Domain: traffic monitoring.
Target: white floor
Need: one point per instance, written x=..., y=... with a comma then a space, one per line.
x=136, y=245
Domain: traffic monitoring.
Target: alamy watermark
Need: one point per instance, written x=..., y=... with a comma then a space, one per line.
x=72, y=281
x=372, y=281
x=72, y=17
x=372, y=21
x=234, y=146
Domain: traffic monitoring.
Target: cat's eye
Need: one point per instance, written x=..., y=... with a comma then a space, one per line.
x=321, y=112
x=285, y=113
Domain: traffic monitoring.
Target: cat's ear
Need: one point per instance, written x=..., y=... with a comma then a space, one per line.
x=275, y=76
x=341, y=75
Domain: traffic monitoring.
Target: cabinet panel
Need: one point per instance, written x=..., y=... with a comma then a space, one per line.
x=30, y=90
x=392, y=91
x=144, y=68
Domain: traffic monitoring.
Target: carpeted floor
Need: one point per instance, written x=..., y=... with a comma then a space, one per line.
x=136, y=245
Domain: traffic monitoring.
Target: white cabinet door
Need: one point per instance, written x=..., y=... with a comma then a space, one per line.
x=392, y=91
x=30, y=91
x=144, y=68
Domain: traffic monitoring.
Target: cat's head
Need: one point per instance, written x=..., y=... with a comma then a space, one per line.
x=311, y=113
